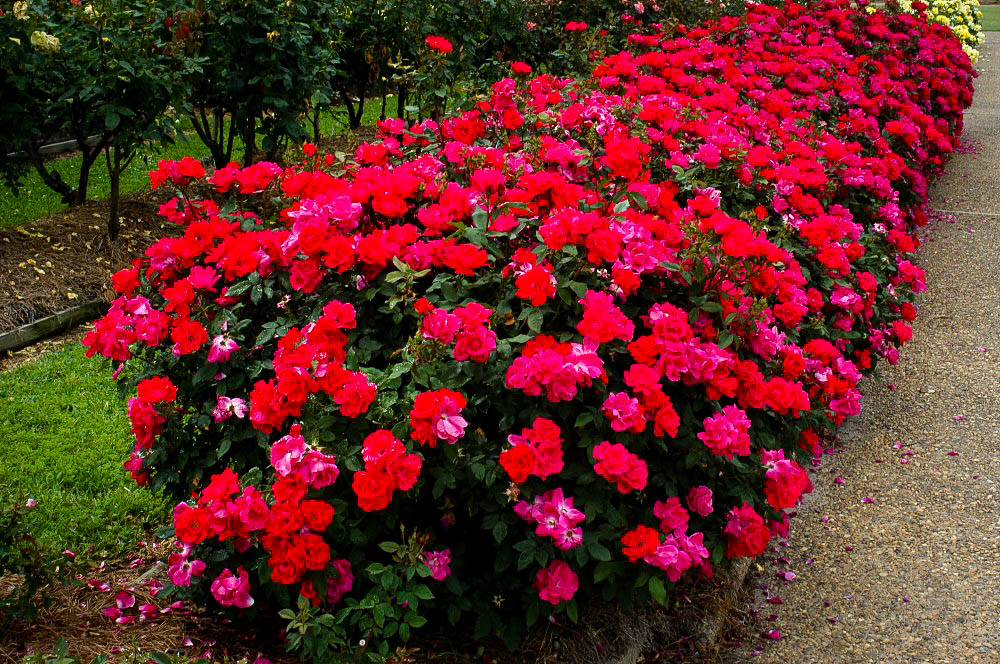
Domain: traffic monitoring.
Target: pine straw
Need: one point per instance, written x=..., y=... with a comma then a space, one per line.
x=51, y=264
x=74, y=614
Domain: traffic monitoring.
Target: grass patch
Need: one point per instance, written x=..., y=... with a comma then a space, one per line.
x=991, y=17
x=64, y=435
x=36, y=201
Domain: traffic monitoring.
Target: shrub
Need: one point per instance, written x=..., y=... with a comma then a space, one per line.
x=87, y=71
x=261, y=64
x=21, y=555
x=574, y=343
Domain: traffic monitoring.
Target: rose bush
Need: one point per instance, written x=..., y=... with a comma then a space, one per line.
x=576, y=342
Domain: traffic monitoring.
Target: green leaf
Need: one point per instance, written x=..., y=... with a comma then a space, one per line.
x=238, y=288
x=535, y=320
x=423, y=592
x=111, y=120
x=415, y=619
x=656, y=589
x=389, y=547
x=483, y=626
x=500, y=531
x=572, y=611
x=599, y=551
x=603, y=571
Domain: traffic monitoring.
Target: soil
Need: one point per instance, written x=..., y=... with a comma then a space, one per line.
x=60, y=261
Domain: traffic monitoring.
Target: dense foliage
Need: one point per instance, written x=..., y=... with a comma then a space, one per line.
x=575, y=342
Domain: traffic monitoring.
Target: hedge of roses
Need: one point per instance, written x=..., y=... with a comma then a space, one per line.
x=577, y=342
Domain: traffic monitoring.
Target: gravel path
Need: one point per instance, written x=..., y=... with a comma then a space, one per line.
x=899, y=561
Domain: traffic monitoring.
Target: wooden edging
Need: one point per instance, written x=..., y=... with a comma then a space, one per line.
x=45, y=327
x=56, y=148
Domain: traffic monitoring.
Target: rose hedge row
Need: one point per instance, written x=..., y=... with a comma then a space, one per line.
x=574, y=343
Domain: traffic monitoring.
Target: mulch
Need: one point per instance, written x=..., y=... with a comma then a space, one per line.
x=52, y=264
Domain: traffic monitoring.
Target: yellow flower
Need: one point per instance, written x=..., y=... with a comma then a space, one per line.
x=43, y=41
x=21, y=10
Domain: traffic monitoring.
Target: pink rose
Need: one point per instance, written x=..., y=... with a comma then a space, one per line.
x=232, y=590
x=556, y=583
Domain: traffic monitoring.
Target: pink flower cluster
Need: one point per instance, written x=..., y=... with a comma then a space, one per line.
x=292, y=458
x=555, y=517
x=726, y=434
x=466, y=327
x=616, y=464
x=558, y=369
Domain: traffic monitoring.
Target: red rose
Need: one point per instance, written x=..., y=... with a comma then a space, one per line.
x=439, y=44
x=639, y=543
x=192, y=525
x=157, y=390
x=317, y=514
x=374, y=490
x=519, y=462
x=748, y=535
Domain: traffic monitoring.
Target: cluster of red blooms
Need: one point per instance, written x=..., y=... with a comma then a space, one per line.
x=309, y=361
x=388, y=466
x=537, y=451
x=435, y=416
x=552, y=196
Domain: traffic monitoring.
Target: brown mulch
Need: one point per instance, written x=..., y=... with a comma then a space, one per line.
x=75, y=615
x=52, y=264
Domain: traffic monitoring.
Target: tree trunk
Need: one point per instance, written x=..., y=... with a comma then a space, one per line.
x=52, y=179
x=212, y=133
x=249, y=139
x=362, y=91
x=84, y=180
x=401, y=103
x=114, y=175
x=315, y=123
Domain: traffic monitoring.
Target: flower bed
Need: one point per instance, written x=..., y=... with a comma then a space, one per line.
x=576, y=342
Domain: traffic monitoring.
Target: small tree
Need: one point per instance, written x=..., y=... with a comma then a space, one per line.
x=137, y=76
x=102, y=73
x=263, y=62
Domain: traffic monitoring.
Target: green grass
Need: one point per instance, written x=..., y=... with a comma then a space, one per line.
x=64, y=435
x=36, y=201
x=991, y=17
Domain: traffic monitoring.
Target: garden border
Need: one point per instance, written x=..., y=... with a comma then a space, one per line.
x=56, y=148
x=50, y=325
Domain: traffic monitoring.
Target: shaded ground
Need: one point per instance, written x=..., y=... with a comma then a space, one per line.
x=899, y=559
x=51, y=264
